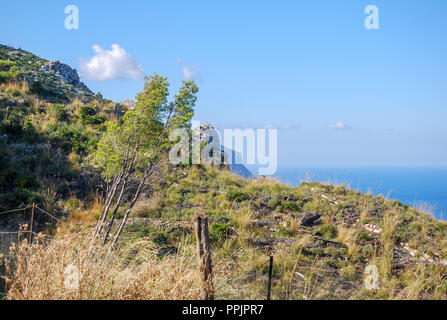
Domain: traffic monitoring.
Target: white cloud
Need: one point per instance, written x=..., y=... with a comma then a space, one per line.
x=339, y=126
x=189, y=71
x=110, y=65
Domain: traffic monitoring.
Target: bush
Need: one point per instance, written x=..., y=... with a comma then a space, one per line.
x=58, y=112
x=89, y=116
x=68, y=137
x=218, y=231
x=362, y=236
x=329, y=231
x=12, y=125
x=8, y=70
x=236, y=195
x=288, y=206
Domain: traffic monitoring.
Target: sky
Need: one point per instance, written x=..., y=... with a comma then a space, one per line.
x=339, y=93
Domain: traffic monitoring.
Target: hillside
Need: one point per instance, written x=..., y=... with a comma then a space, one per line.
x=322, y=237
x=50, y=125
x=54, y=81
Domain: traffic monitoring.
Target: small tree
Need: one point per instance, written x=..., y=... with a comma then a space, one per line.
x=133, y=151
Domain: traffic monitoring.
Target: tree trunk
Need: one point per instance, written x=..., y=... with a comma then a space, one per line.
x=118, y=203
x=106, y=208
x=126, y=216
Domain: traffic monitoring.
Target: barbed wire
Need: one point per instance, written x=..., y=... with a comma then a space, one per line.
x=49, y=214
x=8, y=237
x=16, y=210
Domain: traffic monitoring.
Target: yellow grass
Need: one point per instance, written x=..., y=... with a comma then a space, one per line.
x=15, y=87
x=132, y=272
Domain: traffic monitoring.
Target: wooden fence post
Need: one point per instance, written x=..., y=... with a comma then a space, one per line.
x=32, y=223
x=269, y=285
x=204, y=249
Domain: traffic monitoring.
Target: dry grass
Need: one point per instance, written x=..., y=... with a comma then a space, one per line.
x=243, y=218
x=80, y=218
x=346, y=236
x=132, y=272
x=15, y=88
x=294, y=226
x=425, y=207
x=391, y=220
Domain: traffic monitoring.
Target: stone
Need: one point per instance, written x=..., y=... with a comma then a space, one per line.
x=310, y=218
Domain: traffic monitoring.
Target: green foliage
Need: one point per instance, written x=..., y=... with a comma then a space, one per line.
x=362, y=236
x=8, y=71
x=58, y=112
x=288, y=206
x=218, y=231
x=236, y=195
x=329, y=231
x=90, y=116
x=68, y=137
x=141, y=137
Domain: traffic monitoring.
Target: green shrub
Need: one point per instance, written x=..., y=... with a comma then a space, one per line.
x=273, y=202
x=236, y=195
x=329, y=231
x=12, y=125
x=218, y=231
x=68, y=137
x=288, y=206
x=58, y=112
x=8, y=70
x=362, y=236
x=89, y=116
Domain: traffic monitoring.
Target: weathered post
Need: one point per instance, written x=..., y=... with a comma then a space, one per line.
x=269, y=285
x=204, y=250
x=32, y=222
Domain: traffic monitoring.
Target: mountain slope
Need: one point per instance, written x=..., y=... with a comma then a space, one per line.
x=50, y=125
x=53, y=80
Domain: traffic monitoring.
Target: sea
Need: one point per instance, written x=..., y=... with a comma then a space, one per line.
x=422, y=187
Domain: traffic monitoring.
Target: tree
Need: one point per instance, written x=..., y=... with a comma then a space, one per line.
x=133, y=151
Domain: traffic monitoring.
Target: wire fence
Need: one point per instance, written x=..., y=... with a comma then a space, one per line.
x=7, y=239
x=24, y=230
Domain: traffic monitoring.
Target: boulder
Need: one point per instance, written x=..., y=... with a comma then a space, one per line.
x=310, y=218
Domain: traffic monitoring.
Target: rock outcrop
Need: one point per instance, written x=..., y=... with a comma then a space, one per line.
x=64, y=73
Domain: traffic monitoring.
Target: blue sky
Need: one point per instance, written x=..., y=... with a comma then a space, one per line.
x=341, y=95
